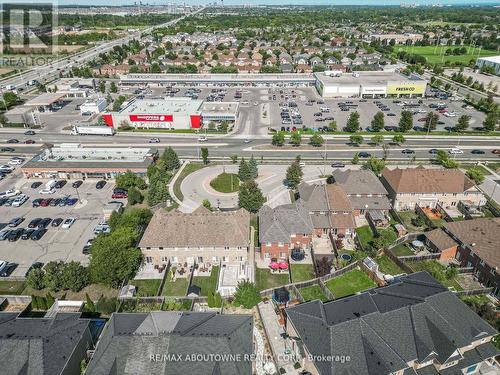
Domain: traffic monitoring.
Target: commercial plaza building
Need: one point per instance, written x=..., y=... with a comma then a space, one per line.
x=171, y=113
x=72, y=161
x=493, y=61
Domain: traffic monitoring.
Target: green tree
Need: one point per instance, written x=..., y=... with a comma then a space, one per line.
x=89, y=304
x=113, y=88
x=134, y=196
x=317, y=140
x=206, y=203
x=356, y=139
x=234, y=159
x=53, y=276
x=375, y=165
x=406, y=121
x=129, y=180
x=210, y=299
x=294, y=175
x=50, y=300
x=355, y=159
x=250, y=196
x=377, y=139
x=332, y=126
x=114, y=257
x=476, y=174
x=254, y=169
x=171, y=159
x=204, y=155
x=443, y=159
x=246, y=295
x=295, y=138
x=102, y=87
x=35, y=279
x=217, y=300
x=490, y=123
x=278, y=139
x=244, y=172
x=353, y=122
x=377, y=123
x=3, y=119
x=75, y=276
x=399, y=138
x=462, y=123
x=431, y=120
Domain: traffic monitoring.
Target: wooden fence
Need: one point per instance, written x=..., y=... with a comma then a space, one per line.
x=473, y=292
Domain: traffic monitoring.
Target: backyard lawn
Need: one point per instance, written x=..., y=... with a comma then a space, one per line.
x=11, y=287
x=226, y=183
x=402, y=250
x=406, y=216
x=437, y=270
x=175, y=288
x=207, y=283
x=146, y=288
x=365, y=235
x=95, y=292
x=349, y=283
x=311, y=293
x=386, y=265
x=302, y=272
x=434, y=54
x=265, y=280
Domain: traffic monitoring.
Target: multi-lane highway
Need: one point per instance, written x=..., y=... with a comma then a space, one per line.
x=48, y=72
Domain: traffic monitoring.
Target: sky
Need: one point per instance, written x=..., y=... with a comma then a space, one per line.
x=279, y=2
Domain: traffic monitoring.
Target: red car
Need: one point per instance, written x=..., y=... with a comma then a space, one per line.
x=29, y=142
x=45, y=202
x=119, y=195
x=496, y=151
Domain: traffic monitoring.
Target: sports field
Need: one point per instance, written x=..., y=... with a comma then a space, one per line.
x=434, y=54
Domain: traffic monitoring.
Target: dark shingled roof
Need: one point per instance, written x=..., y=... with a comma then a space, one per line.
x=44, y=346
x=383, y=329
x=129, y=340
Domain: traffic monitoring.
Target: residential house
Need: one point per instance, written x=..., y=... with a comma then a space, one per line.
x=111, y=70
x=414, y=326
x=199, y=237
x=428, y=187
x=301, y=59
x=174, y=343
x=285, y=58
x=283, y=229
x=479, y=247
x=315, y=60
x=286, y=68
x=364, y=190
x=438, y=241
x=44, y=346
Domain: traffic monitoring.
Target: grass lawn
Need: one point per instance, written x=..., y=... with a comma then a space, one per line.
x=265, y=280
x=188, y=169
x=226, y=183
x=95, y=291
x=386, y=265
x=434, y=54
x=146, y=288
x=302, y=272
x=402, y=250
x=11, y=287
x=175, y=288
x=349, y=283
x=207, y=283
x=436, y=269
x=311, y=293
x=438, y=223
x=406, y=216
x=365, y=235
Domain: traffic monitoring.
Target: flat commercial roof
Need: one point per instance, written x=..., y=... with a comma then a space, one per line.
x=365, y=78
x=216, y=108
x=162, y=106
x=215, y=78
x=45, y=99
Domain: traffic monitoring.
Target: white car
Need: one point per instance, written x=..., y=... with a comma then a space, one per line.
x=302, y=163
x=202, y=139
x=20, y=200
x=455, y=150
x=47, y=191
x=7, y=167
x=154, y=140
x=9, y=193
x=68, y=223
x=16, y=161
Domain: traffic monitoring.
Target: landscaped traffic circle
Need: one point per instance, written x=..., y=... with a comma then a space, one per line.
x=226, y=183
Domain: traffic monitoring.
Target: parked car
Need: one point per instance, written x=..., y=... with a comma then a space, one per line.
x=47, y=191
x=100, y=184
x=44, y=222
x=71, y=201
x=119, y=195
x=16, y=221
x=37, y=234
x=45, y=202
x=68, y=223
x=56, y=222
x=8, y=269
x=77, y=184
x=36, y=185
x=20, y=200
x=4, y=234
x=34, y=266
x=60, y=184
x=27, y=233
x=34, y=223
x=15, y=234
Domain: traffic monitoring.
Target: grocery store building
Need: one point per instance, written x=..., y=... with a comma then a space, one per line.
x=171, y=113
x=73, y=161
x=373, y=84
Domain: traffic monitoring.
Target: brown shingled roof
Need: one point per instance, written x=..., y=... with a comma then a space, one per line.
x=337, y=198
x=482, y=235
x=342, y=221
x=440, y=239
x=201, y=228
x=422, y=180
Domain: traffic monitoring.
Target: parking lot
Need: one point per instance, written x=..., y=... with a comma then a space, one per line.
x=57, y=243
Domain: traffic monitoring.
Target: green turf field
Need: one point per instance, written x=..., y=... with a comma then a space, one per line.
x=435, y=54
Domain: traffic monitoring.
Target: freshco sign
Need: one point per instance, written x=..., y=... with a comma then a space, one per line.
x=151, y=118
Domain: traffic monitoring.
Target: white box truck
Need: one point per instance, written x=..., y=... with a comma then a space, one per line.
x=93, y=130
